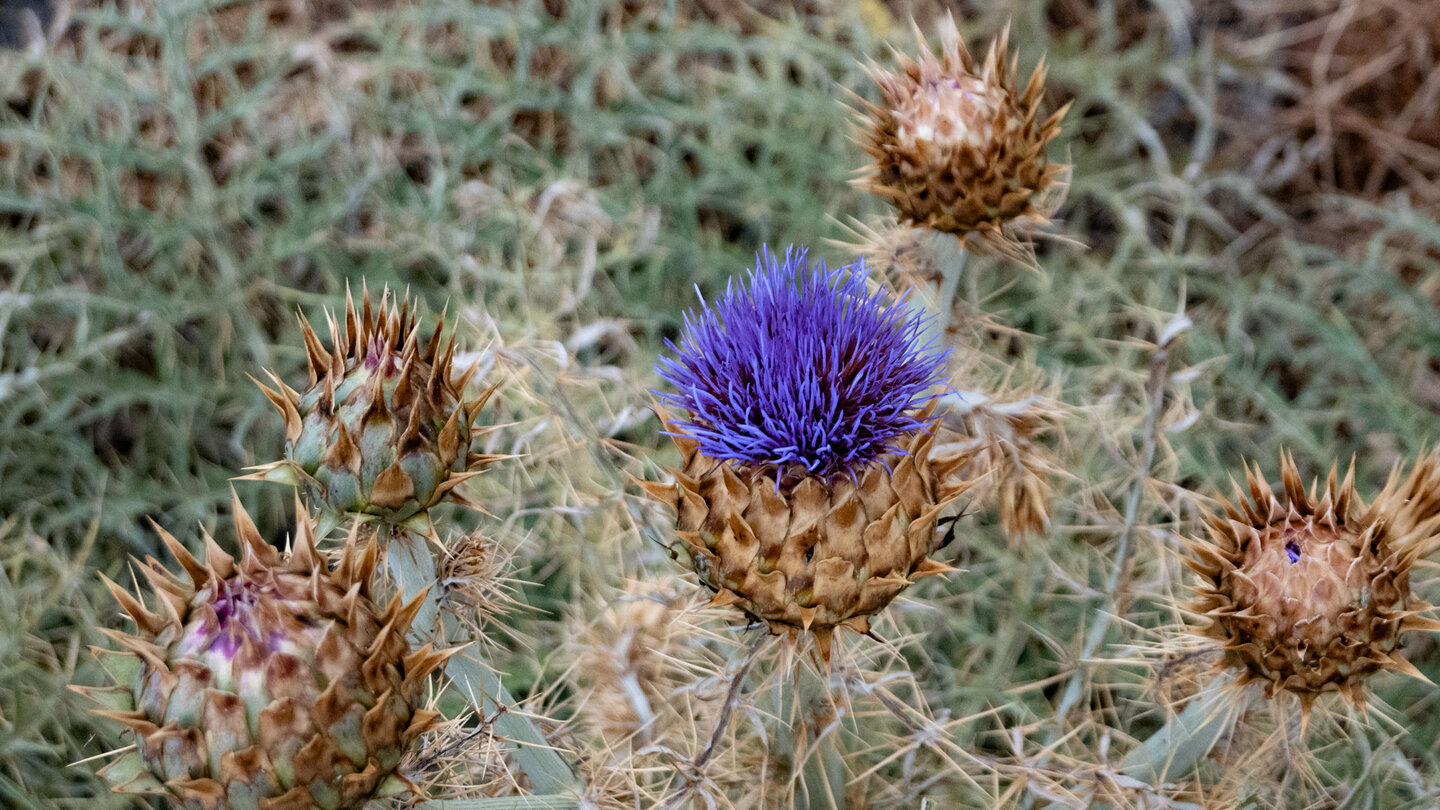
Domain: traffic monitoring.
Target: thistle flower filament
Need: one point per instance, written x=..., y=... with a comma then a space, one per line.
x=802, y=367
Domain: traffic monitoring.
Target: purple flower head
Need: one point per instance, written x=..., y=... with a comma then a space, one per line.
x=802, y=367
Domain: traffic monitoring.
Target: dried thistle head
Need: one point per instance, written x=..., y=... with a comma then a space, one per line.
x=626, y=662
x=472, y=580
x=1006, y=433
x=807, y=495
x=461, y=759
x=959, y=146
x=1309, y=593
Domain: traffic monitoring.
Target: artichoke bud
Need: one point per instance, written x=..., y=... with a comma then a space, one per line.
x=382, y=429
x=270, y=682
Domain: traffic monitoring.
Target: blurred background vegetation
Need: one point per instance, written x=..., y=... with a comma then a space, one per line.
x=178, y=178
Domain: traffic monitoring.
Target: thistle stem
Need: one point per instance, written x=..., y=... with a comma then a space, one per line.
x=731, y=697
x=1190, y=735
x=413, y=566
x=812, y=727
x=1114, y=584
x=950, y=255
x=1155, y=400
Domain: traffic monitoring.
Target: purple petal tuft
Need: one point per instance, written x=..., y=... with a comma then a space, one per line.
x=801, y=366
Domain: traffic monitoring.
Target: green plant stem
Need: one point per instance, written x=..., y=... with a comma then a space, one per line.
x=811, y=732
x=950, y=255
x=1188, y=736
x=413, y=566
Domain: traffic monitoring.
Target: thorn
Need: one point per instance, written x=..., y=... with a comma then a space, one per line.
x=1396, y=662
x=319, y=358
x=197, y=573
x=930, y=567
x=146, y=621
x=807, y=617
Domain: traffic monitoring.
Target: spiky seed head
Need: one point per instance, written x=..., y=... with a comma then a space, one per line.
x=382, y=429
x=627, y=663
x=472, y=582
x=269, y=682
x=959, y=147
x=1309, y=593
x=807, y=495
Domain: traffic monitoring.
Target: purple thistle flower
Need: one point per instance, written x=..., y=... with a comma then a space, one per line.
x=801, y=366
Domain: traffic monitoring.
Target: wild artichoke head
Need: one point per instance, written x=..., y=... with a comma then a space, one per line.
x=1310, y=593
x=382, y=428
x=807, y=495
x=959, y=147
x=269, y=683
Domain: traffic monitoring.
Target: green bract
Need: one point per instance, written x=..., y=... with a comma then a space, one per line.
x=268, y=683
x=382, y=430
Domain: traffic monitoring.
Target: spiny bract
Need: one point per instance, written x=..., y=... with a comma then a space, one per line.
x=382, y=428
x=807, y=494
x=271, y=683
x=1311, y=594
x=958, y=147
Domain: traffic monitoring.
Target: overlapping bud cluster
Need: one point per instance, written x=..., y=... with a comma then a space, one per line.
x=276, y=682
x=807, y=495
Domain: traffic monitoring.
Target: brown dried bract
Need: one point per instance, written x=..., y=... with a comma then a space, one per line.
x=1310, y=594
x=805, y=554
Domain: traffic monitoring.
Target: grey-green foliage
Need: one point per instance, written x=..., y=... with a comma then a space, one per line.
x=49, y=603
x=155, y=243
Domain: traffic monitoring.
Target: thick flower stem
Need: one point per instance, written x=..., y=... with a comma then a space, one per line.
x=1170, y=752
x=811, y=730
x=951, y=257
x=413, y=566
